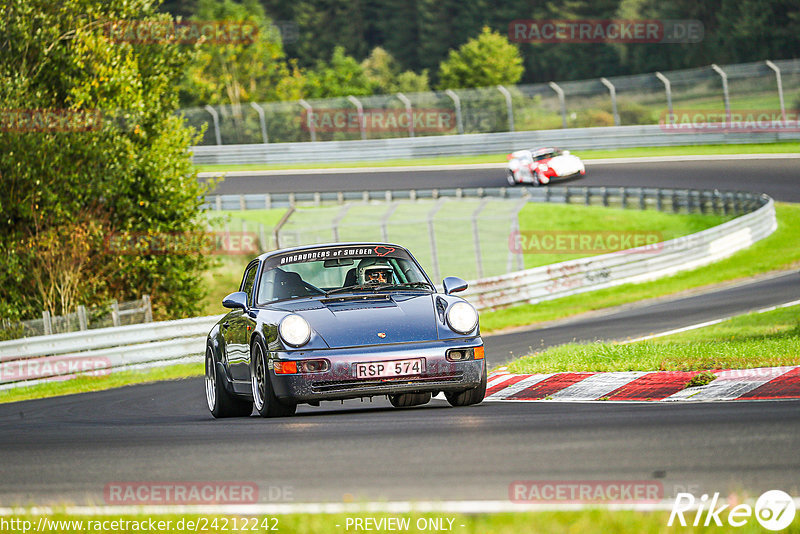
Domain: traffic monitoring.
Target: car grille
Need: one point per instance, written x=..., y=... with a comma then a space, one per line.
x=345, y=385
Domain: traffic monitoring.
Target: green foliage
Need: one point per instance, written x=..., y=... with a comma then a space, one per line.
x=343, y=76
x=484, y=61
x=383, y=72
x=66, y=189
x=701, y=379
x=244, y=70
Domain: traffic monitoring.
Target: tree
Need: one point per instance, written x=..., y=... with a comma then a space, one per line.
x=90, y=147
x=383, y=72
x=240, y=71
x=341, y=77
x=486, y=60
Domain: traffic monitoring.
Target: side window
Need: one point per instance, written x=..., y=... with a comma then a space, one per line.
x=247, y=281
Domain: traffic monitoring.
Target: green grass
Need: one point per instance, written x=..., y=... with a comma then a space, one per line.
x=99, y=383
x=588, y=521
x=767, y=339
x=574, y=221
x=779, y=251
x=699, y=150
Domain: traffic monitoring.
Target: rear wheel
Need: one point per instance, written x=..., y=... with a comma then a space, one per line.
x=220, y=402
x=469, y=396
x=264, y=399
x=409, y=399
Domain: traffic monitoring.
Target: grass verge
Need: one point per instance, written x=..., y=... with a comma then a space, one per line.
x=99, y=383
x=638, y=152
x=768, y=339
x=587, y=521
x=779, y=251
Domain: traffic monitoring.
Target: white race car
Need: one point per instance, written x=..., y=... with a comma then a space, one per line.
x=542, y=165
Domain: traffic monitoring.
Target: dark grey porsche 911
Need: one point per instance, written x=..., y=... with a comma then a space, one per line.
x=342, y=321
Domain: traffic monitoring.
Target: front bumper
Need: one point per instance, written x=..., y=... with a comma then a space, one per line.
x=340, y=382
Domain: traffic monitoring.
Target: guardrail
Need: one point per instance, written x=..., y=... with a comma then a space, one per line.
x=30, y=360
x=473, y=144
x=692, y=200
x=634, y=265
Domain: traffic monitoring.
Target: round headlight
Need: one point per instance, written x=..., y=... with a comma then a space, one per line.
x=462, y=317
x=295, y=330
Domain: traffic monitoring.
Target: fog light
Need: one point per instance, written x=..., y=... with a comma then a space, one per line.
x=313, y=366
x=457, y=355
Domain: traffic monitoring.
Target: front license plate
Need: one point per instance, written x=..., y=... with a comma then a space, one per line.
x=388, y=369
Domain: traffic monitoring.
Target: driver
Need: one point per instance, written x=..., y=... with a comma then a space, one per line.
x=378, y=273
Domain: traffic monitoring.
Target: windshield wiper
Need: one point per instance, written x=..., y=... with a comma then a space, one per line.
x=358, y=287
x=380, y=287
x=406, y=285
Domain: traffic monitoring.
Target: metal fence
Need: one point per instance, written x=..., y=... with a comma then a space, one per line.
x=464, y=232
x=113, y=314
x=635, y=265
x=58, y=357
x=643, y=99
x=99, y=352
x=476, y=144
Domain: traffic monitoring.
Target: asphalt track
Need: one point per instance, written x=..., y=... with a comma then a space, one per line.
x=68, y=449
x=779, y=178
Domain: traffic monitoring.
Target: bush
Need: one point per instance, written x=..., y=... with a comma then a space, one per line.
x=69, y=185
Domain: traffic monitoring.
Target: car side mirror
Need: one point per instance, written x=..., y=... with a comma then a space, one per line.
x=453, y=284
x=237, y=299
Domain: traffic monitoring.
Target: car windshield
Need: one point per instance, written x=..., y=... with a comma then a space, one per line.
x=546, y=155
x=336, y=271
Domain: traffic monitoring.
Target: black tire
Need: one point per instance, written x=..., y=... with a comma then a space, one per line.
x=221, y=403
x=264, y=399
x=409, y=399
x=468, y=396
x=512, y=181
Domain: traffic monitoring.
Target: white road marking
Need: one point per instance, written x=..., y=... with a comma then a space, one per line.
x=708, y=323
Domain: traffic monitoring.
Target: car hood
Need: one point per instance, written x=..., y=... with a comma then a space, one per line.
x=372, y=319
x=565, y=164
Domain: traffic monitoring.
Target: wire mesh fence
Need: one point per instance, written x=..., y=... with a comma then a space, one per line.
x=111, y=314
x=623, y=101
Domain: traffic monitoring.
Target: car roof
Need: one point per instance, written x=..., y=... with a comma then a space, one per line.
x=301, y=248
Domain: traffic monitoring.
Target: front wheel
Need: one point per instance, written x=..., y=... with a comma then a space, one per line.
x=510, y=177
x=469, y=396
x=221, y=403
x=264, y=399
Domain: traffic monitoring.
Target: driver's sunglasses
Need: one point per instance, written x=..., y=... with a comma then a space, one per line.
x=377, y=275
